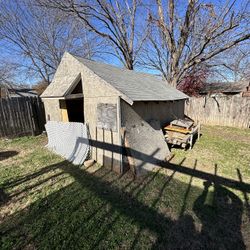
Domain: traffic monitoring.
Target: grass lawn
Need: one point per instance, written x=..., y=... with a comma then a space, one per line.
x=47, y=203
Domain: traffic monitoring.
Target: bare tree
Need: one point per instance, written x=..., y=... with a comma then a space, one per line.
x=180, y=42
x=36, y=38
x=234, y=65
x=117, y=22
x=7, y=73
x=40, y=87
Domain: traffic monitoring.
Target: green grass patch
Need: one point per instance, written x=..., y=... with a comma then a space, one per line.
x=47, y=203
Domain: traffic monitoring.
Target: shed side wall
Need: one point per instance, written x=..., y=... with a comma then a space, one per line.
x=165, y=112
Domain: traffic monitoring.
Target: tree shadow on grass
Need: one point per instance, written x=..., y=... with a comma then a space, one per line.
x=106, y=211
x=7, y=154
x=221, y=220
x=92, y=213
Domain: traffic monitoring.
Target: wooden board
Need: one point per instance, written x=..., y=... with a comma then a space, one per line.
x=177, y=129
x=176, y=135
x=64, y=111
x=107, y=116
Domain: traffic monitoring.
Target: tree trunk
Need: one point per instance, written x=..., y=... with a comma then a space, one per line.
x=129, y=65
x=174, y=82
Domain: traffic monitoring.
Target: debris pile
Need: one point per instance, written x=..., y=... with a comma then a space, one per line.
x=181, y=132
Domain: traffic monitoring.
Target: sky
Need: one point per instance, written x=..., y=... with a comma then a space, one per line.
x=8, y=52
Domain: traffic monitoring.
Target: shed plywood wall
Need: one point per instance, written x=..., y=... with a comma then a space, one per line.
x=97, y=91
x=107, y=137
x=165, y=112
x=52, y=109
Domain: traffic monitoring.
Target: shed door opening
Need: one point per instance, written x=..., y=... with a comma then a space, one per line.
x=72, y=106
x=75, y=110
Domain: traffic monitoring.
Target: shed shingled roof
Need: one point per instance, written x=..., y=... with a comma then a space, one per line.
x=135, y=85
x=60, y=85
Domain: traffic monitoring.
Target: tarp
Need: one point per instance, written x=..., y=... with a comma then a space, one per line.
x=68, y=139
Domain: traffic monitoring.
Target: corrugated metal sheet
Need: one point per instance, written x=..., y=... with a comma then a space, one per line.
x=68, y=139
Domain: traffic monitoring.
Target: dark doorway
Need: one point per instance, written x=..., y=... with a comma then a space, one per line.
x=75, y=110
x=78, y=88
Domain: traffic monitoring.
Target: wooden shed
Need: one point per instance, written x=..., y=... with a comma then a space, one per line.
x=110, y=100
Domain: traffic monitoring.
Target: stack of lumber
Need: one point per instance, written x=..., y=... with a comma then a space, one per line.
x=180, y=132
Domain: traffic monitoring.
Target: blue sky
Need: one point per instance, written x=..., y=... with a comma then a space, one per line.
x=8, y=51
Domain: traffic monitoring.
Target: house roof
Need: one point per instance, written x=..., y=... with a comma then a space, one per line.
x=134, y=85
x=10, y=91
x=225, y=87
x=22, y=92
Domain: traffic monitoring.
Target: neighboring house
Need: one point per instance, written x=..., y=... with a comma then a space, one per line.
x=247, y=92
x=108, y=99
x=241, y=88
x=13, y=92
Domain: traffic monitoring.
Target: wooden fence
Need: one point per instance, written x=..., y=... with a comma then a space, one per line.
x=21, y=116
x=231, y=111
